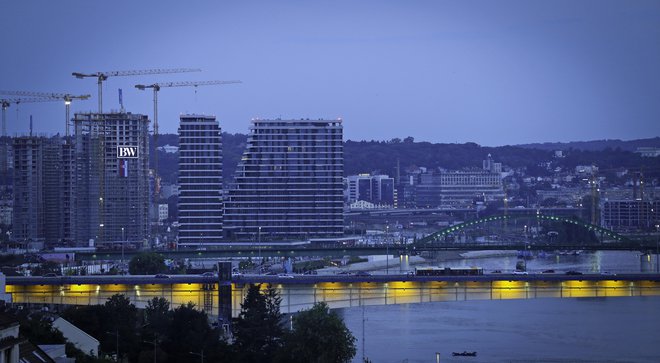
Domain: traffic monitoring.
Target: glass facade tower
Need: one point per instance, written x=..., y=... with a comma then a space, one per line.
x=288, y=184
x=200, y=180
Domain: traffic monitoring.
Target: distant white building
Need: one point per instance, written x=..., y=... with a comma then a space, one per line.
x=491, y=166
x=163, y=212
x=363, y=204
x=648, y=152
x=169, y=149
x=586, y=169
x=377, y=189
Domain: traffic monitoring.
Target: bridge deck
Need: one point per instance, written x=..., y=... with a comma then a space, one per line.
x=285, y=251
x=338, y=291
x=314, y=279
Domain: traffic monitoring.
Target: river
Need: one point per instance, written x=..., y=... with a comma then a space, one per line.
x=616, y=329
x=624, y=329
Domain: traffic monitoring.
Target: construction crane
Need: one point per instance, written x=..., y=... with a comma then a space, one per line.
x=102, y=76
x=66, y=97
x=156, y=87
x=6, y=102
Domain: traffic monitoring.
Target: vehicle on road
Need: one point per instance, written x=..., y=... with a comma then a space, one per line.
x=438, y=271
x=161, y=276
x=573, y=272
x=520, y=272
x=548, y=272
x=496, y=272
x=209, y=274
x=285, y=276
x=464, y=354
x=362, y=273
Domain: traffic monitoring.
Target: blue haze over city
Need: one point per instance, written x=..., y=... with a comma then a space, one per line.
x=424, y=180
x=494, y=73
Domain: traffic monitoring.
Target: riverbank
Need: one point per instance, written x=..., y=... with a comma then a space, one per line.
x=392, y=263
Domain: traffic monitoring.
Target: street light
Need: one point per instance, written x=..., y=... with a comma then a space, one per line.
x=387, y=248
x=200, y=355
x=657, y=249
x=155, y=342
x=116, y=334
x=123, y=239
x=259, y=244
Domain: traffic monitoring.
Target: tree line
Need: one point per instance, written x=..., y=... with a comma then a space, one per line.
x=382, y=156
x=158, y=333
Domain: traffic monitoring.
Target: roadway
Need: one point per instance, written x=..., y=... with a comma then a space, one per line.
x=287, y=251
x=315, y=279
x=338, y=291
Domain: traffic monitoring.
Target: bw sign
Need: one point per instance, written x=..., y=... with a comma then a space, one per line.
x=127, y=152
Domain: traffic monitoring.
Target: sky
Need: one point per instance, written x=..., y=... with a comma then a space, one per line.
x=490, y=72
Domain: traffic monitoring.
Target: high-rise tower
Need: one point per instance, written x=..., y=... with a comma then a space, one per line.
x=200, y=180
x=288, y=184
x=38, y=180
x=112, y=193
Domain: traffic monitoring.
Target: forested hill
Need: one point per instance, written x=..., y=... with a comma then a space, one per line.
x=382, y=156
x=596, y=145
x=366, y=156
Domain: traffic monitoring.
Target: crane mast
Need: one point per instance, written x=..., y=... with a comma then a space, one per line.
x=156, y=87
x=100, y=77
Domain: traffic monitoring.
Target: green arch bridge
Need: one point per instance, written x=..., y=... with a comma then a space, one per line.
x=606, y=236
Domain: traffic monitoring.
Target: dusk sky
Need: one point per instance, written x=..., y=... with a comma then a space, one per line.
x=490, y=72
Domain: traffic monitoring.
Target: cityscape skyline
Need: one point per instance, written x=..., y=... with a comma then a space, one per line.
x=325, y=169
x=497, y=75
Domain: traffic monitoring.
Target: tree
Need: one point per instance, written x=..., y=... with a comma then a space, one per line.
x=258, y=331
x=157, y=314
x=92, y=319
x=147, y=263
x=319, y=335
x=121, y=326
x=189, y=331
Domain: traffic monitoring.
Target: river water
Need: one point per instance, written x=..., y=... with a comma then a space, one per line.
x=616, y=329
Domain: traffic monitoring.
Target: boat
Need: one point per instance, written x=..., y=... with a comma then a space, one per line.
x=464, y=354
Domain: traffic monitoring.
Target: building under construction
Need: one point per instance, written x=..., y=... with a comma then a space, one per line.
x=39, y=178
x=111, y=182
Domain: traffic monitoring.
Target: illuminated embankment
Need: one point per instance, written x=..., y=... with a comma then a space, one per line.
x=338, y=292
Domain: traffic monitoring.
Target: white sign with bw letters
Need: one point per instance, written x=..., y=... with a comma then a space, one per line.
x=127, y=152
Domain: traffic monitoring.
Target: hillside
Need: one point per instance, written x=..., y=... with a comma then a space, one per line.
x=382, y=156
x=630, y=145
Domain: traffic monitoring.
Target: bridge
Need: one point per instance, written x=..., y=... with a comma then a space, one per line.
x=339, y=291
x=608, y=239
